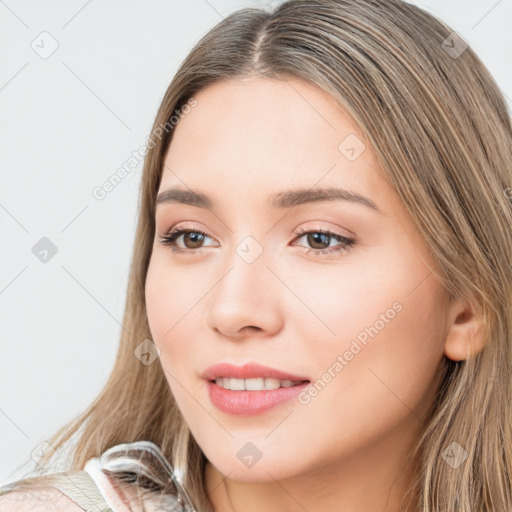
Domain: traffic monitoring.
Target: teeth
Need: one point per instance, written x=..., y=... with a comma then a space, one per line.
x=257, y=384
x=251, y=384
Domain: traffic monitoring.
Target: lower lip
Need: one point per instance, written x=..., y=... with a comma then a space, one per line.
x=249, y=403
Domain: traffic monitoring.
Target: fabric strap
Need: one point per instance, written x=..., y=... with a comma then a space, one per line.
x=81, y=488
x=77, y=485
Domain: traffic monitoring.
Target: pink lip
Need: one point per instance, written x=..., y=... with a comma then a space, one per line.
x=249, y=403
x=248, y=371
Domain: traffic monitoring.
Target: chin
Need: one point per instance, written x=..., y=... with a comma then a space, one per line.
x=261, y=472
x=235, y=463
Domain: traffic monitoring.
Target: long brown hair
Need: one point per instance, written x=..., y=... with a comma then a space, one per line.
x=441, y=130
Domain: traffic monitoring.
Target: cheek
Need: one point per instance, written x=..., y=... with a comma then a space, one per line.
x=382, y=339
x=173, y=305
x=365, y=294
x=172, y=294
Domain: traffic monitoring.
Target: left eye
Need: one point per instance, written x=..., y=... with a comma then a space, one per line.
x=193, y=240
x=315, y=237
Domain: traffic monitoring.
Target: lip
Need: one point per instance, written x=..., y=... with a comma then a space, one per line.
x=248, y=371
x=249, y=403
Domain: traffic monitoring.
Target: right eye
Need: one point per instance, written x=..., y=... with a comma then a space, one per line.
x=192, y=239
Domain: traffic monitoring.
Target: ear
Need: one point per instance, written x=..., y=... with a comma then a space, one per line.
x=466, y=336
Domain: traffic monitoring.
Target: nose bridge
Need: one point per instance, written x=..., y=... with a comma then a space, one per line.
x=248, y=275
x=247, y=294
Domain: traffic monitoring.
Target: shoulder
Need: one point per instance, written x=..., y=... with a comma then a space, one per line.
x=37, y=500
x=100, y=486
x=72, y=491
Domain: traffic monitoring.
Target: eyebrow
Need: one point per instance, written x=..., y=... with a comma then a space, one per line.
x=286, y=199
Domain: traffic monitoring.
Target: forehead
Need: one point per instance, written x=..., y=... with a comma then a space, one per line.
x=254, y=114
x=256, y=136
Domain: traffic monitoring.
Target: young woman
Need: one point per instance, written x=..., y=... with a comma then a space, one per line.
x=318, y=314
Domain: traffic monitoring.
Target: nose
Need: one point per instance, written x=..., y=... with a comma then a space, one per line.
x=246, y=302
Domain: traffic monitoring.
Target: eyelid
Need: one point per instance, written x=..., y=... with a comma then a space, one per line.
x=332, y=228
x=187, y=226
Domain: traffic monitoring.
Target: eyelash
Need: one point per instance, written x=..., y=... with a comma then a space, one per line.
x=169, y=239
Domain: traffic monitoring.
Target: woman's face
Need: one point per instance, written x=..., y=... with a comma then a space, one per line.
x=363, y=322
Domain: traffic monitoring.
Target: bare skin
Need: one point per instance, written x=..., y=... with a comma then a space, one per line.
x=347, y=448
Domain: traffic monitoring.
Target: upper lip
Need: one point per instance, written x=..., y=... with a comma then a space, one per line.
x=248, y=371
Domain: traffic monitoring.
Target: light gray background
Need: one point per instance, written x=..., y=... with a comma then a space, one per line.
x=68, y=122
